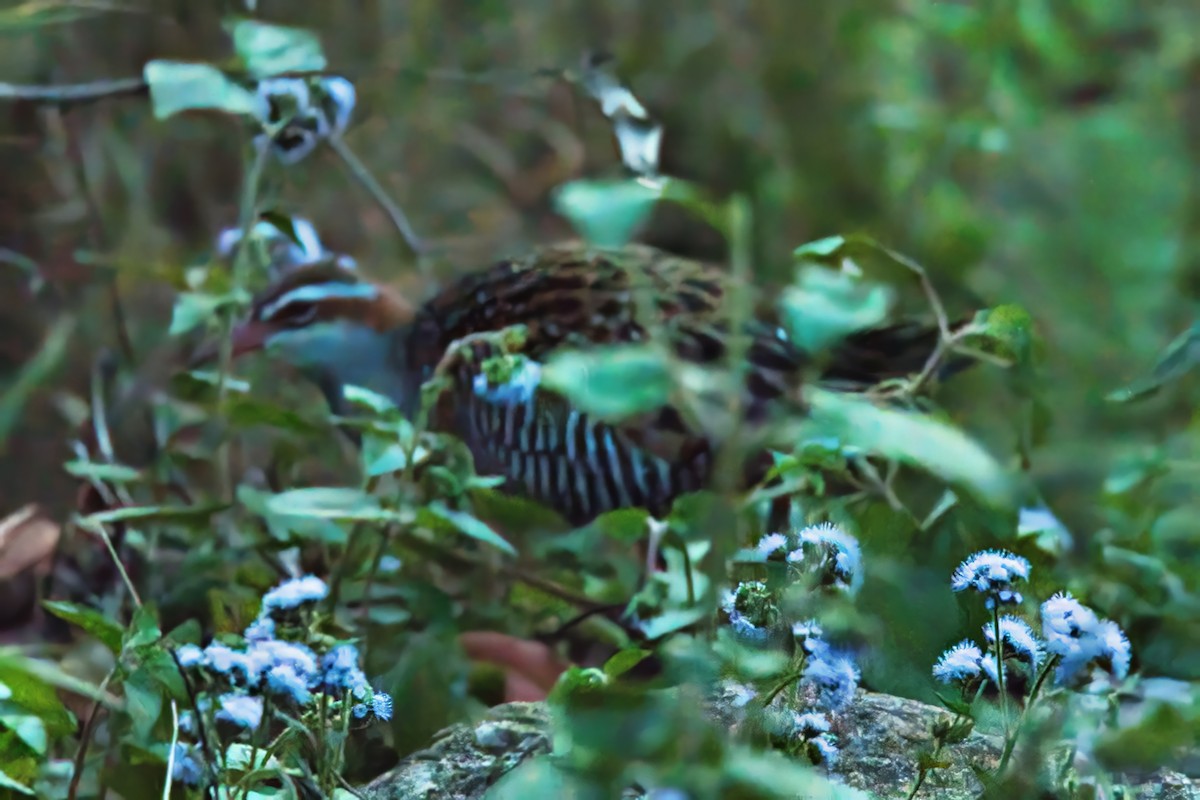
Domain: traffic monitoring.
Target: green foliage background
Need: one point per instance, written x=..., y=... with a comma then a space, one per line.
x=1041, y=153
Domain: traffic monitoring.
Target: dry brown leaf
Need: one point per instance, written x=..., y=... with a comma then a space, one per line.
x=27, y=541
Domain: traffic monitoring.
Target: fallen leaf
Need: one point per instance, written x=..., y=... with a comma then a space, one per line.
x=27, y=541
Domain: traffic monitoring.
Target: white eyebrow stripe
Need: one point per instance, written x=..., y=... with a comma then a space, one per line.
x=317, y=292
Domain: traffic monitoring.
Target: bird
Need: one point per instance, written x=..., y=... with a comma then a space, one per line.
x=338, y=328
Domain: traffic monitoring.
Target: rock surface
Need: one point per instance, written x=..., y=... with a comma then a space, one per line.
x=881, y=735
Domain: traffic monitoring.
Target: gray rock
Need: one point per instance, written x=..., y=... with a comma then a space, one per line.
x=879, y=734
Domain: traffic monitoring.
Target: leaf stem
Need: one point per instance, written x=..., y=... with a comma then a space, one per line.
x=380, y=195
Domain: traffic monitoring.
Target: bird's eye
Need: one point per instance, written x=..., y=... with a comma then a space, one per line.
x=297, y=315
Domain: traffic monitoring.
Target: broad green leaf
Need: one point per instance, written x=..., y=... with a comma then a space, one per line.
x=177, y=86
x=1006, y=331
x=675, y=619
x=610, y=383
x=539, y=777
x=267, y=49
x=28, y=728
x=824, y=306
x=143, y=630
x=289, y=527
x=606, y=213
x=193, y=309
x=359, y=396
x=143, y=704
x=328, y=502
x=1181, y=357
x=910, y=438
x=251, y=412
x=113, y=473
x=33, y=689
x=471, y=526
x=108, y=631
x=9, y=783
x=771, y=774
x=623, y=661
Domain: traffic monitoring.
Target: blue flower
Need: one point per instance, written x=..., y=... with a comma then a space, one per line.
x=771, y=544
x=992, y=573
x=283, y=681
x=273, y=652
x=811, y=725
x=1019, y=641
x=341, y=96
x=826, y=750
x=294, y=593
x=242, y=710
x=261, y=629
x=838, y=551
x=381, y=706
x=360, y=710
x=833, y=676
x=188, y=768
x=807, y=634
x=189, y=655
x=389, y=564
x=1082, y=641
x=961, y=663
x=223, y=660
x=738, y=695
x=340, y=671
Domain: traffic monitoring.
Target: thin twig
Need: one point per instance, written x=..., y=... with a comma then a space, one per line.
x=102, y=532
x=380, y=195
x=166, y=795
x=85, y=738
x=74, y=93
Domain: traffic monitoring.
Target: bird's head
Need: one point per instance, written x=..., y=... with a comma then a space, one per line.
x=331, y=324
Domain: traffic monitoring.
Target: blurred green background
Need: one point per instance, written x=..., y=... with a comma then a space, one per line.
x=1036, y=152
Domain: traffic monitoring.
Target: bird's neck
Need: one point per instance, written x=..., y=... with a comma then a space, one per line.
x=361, y=356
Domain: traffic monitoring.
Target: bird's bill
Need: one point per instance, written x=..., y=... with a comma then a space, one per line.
x=248, y=337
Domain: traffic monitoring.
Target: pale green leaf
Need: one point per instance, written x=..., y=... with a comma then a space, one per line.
x=910, y=438
x=7, y=782
x=177, y=86
x=112, y=473
x=823, y=306
x=611, y=383
x=267, y=49
x=108, y=631
x=607, y=213
x=471, y=526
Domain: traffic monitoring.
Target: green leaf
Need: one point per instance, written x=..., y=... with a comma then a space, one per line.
x=154, y=513
x=328, y=502
x=823, y=306
x=358, y=396
x=538, y=777
x=143, y=704
x=112, y=473
x=28, y=728
x=30, y=682
x=108, y=631
x=193, y=309
x=177, y=86
x=266, y=49
x=770, y=774
x=1181, y=357
x=606, y=213
x=623, y=661
x=143, y=630
x=910, y=438
x=820, y=250
x=288, y=527
x=8, y=783
x=1006, y=331
x=610, y=383
x=471, y=526
x=672, y=620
